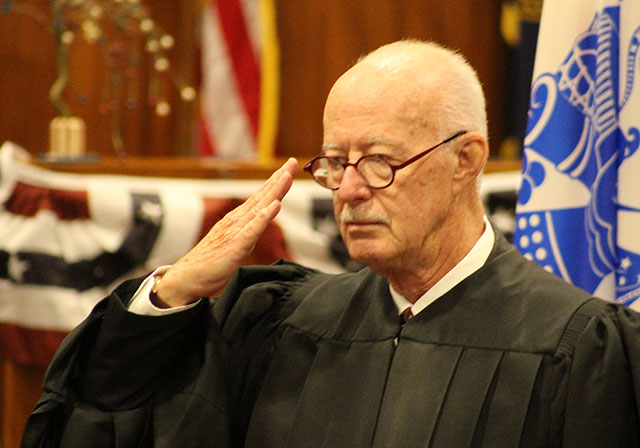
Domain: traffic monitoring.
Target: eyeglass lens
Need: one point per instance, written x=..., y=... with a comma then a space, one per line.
x=375, y=171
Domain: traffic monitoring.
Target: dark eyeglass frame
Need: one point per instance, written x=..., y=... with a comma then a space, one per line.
x=308, y=166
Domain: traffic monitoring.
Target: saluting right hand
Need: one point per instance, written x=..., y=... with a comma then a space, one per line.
x=206, y=268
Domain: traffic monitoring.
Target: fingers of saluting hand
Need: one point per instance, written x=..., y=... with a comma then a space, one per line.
x=208, y=266
x=262, y=206
x=273, y=189
x=241, y=228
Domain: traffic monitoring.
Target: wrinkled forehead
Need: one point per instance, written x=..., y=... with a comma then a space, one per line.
x=399, y=93
x=377, y=111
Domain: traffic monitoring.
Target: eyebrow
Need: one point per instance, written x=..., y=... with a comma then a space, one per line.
x=364, y=145
x=327, y=146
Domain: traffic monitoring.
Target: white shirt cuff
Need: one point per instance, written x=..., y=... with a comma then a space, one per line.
x=141, y=303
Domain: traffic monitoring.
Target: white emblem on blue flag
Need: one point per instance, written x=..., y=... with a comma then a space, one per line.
x=572, y=216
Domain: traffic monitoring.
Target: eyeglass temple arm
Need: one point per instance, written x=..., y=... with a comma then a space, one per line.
x=427, y=151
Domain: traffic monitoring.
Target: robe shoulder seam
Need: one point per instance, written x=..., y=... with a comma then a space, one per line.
x=576, y=326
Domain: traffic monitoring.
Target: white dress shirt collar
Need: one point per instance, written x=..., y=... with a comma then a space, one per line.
x=471, y=262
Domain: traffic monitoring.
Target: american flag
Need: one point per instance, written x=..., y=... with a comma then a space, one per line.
x=239, y=97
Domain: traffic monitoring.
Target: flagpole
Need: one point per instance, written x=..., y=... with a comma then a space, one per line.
x=270, y=82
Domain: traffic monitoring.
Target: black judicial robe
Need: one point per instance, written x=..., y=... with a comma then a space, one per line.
x=289, y=357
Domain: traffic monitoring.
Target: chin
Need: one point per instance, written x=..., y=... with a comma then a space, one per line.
x=368, y=253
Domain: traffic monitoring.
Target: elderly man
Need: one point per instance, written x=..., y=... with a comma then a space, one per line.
x=498, y=353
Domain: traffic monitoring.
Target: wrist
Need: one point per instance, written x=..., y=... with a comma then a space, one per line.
x=167, y=292
x=153, y=294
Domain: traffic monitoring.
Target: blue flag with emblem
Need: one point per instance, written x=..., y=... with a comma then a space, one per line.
x=578, y=211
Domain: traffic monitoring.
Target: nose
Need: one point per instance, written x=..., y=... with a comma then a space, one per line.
x=353, y=187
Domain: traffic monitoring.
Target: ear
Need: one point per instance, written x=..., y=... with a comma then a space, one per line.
x=472, y=154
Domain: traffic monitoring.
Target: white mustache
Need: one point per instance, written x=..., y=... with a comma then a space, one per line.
x=361, y=215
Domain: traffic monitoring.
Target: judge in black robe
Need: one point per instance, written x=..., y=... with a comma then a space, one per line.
x=289, y=357
x=294, y=358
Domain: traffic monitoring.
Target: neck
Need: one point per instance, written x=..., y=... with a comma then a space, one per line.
x=413, y=279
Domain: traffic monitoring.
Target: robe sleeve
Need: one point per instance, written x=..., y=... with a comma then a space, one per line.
x=126, y=380
x=604, y=382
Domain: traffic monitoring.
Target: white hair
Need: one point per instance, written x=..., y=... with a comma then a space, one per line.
x=460, y=102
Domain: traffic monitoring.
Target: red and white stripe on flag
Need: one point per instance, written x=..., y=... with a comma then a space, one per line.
x=239, y=97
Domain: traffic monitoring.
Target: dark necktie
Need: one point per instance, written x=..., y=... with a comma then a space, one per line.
x=406, y=315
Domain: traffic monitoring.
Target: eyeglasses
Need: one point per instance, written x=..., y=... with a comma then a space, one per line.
x=374, y=168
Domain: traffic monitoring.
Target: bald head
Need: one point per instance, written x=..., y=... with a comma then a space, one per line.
x=427, y=85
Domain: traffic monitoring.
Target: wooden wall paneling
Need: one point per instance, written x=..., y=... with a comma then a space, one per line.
x=26, y=73
x=86, y=94
x=320, y=39
x=174, y=135
x=186, y=63
x=21, y=388
x=29, y=69
x=143, y=131
x=3, y=402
